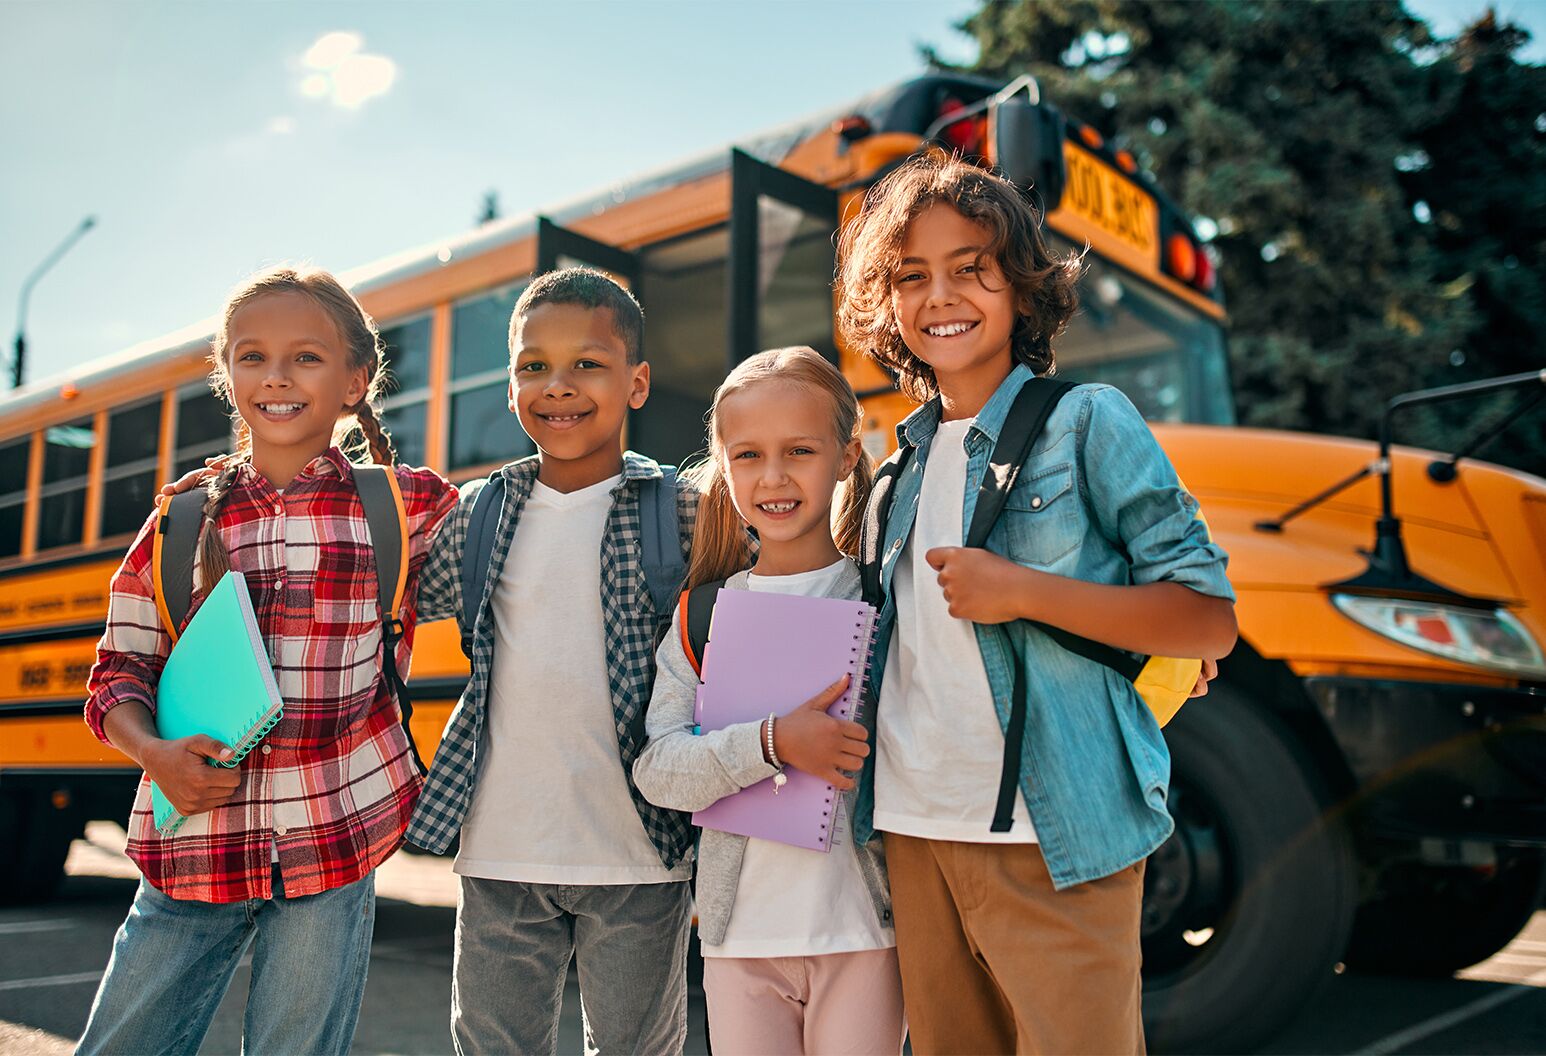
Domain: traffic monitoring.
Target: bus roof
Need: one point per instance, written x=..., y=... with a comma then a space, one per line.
x=905, y=106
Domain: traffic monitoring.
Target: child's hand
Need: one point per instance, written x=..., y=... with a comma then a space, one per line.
x=185, y=778
x=978, y=584
x=213, y=467
x=811, y=740
x=1210, y=671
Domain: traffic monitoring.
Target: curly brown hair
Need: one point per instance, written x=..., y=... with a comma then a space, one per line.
x=870, y=249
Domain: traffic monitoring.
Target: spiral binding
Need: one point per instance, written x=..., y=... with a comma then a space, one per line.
x=240, y=750
x=864, y=654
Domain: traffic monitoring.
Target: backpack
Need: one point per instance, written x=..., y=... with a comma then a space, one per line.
x=176, y=542
x=660, y=539
x=1163, y=682
x=697, y=607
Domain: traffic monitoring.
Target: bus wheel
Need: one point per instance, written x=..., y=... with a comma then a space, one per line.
x=34, y=841
x=1429, y=921
x=1248, y=905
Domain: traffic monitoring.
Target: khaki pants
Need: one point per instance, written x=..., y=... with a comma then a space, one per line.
x=995, y=961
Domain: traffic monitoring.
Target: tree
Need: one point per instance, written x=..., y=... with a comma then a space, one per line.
x=1376, y=192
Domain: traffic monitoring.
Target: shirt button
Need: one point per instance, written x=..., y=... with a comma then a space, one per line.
x=280, y=582
x=896, y=545
x=279, y=507
x=1036, y=502
x=280, y=830
x=267, y=748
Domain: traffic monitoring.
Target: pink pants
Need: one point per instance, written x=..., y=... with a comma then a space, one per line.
x=834, y=1003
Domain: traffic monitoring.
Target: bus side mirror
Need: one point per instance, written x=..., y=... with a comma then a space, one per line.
x=1027, y=143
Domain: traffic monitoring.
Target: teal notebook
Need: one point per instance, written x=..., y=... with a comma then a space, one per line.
x=218, y=681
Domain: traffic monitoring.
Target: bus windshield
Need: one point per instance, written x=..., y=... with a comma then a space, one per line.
x=1167, y=358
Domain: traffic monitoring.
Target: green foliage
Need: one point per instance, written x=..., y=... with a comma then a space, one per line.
x=1309, y=132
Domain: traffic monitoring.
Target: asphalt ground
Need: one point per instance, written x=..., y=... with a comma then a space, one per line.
x=52, y=955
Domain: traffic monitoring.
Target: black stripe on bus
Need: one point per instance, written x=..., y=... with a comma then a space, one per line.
x=33, y=709
x=91, y=629
x=115, y=555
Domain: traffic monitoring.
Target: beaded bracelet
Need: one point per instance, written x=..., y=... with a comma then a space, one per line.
x=780, y=778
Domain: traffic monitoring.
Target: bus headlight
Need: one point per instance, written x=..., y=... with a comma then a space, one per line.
x=1495, y=640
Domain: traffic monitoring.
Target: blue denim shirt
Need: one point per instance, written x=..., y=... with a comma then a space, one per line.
x=1097, y=500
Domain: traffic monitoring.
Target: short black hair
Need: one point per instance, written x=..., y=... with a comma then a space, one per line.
x=588, y=288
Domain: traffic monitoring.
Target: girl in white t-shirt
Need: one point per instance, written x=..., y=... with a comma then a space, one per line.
x=799, y=954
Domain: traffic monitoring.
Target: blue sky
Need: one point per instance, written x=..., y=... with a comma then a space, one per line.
x=211, y=139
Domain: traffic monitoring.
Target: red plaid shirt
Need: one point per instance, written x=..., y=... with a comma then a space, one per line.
x=334, y=783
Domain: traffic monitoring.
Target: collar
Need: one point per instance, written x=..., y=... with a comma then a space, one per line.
x=635, y=467
x=921, y=424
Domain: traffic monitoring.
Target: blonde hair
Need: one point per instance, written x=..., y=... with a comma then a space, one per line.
x=359, y=429
x=721, y=546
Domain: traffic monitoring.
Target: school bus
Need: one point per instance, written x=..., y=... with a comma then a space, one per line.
x=1364, y=781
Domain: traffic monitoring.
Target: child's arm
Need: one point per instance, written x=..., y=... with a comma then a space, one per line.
x=121, y=691
x=681, y=770
x=440, y=582
x=1158, y=619
x=1179, y=604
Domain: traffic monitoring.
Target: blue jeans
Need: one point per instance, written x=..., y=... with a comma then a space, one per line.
x=173, y=960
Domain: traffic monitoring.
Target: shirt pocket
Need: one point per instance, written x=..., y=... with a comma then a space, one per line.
x=1042, y=521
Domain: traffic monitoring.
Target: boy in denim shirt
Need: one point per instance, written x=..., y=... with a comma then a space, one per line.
x=560, y=855
x=1024, y=936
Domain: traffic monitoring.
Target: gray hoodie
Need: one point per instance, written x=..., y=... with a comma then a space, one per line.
x=679, y=770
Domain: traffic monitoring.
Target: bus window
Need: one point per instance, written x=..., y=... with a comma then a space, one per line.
x=483, y=431
x=405, y=408
x=66, y=465
x=13, y=494
x=1168, y=359
x=794, y=278
x=203, y=428
x=129, y=481
x=684, y=294
x=781, y=258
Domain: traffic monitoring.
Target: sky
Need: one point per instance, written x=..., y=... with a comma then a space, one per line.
x=210, y=139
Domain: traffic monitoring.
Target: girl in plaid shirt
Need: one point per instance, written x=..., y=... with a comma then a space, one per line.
x=280, y=852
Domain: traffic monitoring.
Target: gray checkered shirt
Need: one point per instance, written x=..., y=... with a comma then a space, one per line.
x=632, y=629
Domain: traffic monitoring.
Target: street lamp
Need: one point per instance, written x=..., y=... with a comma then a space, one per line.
x=18, y=364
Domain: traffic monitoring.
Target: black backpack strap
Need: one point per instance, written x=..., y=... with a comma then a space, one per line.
x=387, y=521
x=661, y=539
x=697, y=618
x=1027, y=418
x=872, y=535
x=478, y=553
x=176, y=546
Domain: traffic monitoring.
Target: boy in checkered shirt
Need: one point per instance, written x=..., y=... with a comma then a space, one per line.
x=560, y=855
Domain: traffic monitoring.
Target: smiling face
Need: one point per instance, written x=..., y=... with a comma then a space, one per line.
x=571, y=385
x=955, y=312
x=290, y=378
x=783, y=461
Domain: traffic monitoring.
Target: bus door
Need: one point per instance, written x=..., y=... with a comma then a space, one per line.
x=782, y=252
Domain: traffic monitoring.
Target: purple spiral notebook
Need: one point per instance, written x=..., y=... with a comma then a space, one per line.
x=771, y=653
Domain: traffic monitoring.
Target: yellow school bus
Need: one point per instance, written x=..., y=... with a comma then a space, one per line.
x=1364, y=781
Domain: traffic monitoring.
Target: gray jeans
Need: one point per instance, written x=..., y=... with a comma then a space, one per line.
x=513, y=945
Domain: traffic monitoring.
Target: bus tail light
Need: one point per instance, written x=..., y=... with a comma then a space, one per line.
x=1207, y=274
x=852, y=128
x=1181, y=258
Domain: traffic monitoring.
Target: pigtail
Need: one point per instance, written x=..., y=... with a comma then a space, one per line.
x=848, y=525
x=720, y=545
x=377, y=439
x=214, y=558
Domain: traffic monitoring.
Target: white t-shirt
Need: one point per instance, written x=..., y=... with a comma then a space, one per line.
x=939, y=746
x=551, y=803
x=795, y=902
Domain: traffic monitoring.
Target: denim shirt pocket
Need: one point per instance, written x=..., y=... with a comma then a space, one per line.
x=1042, y=521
